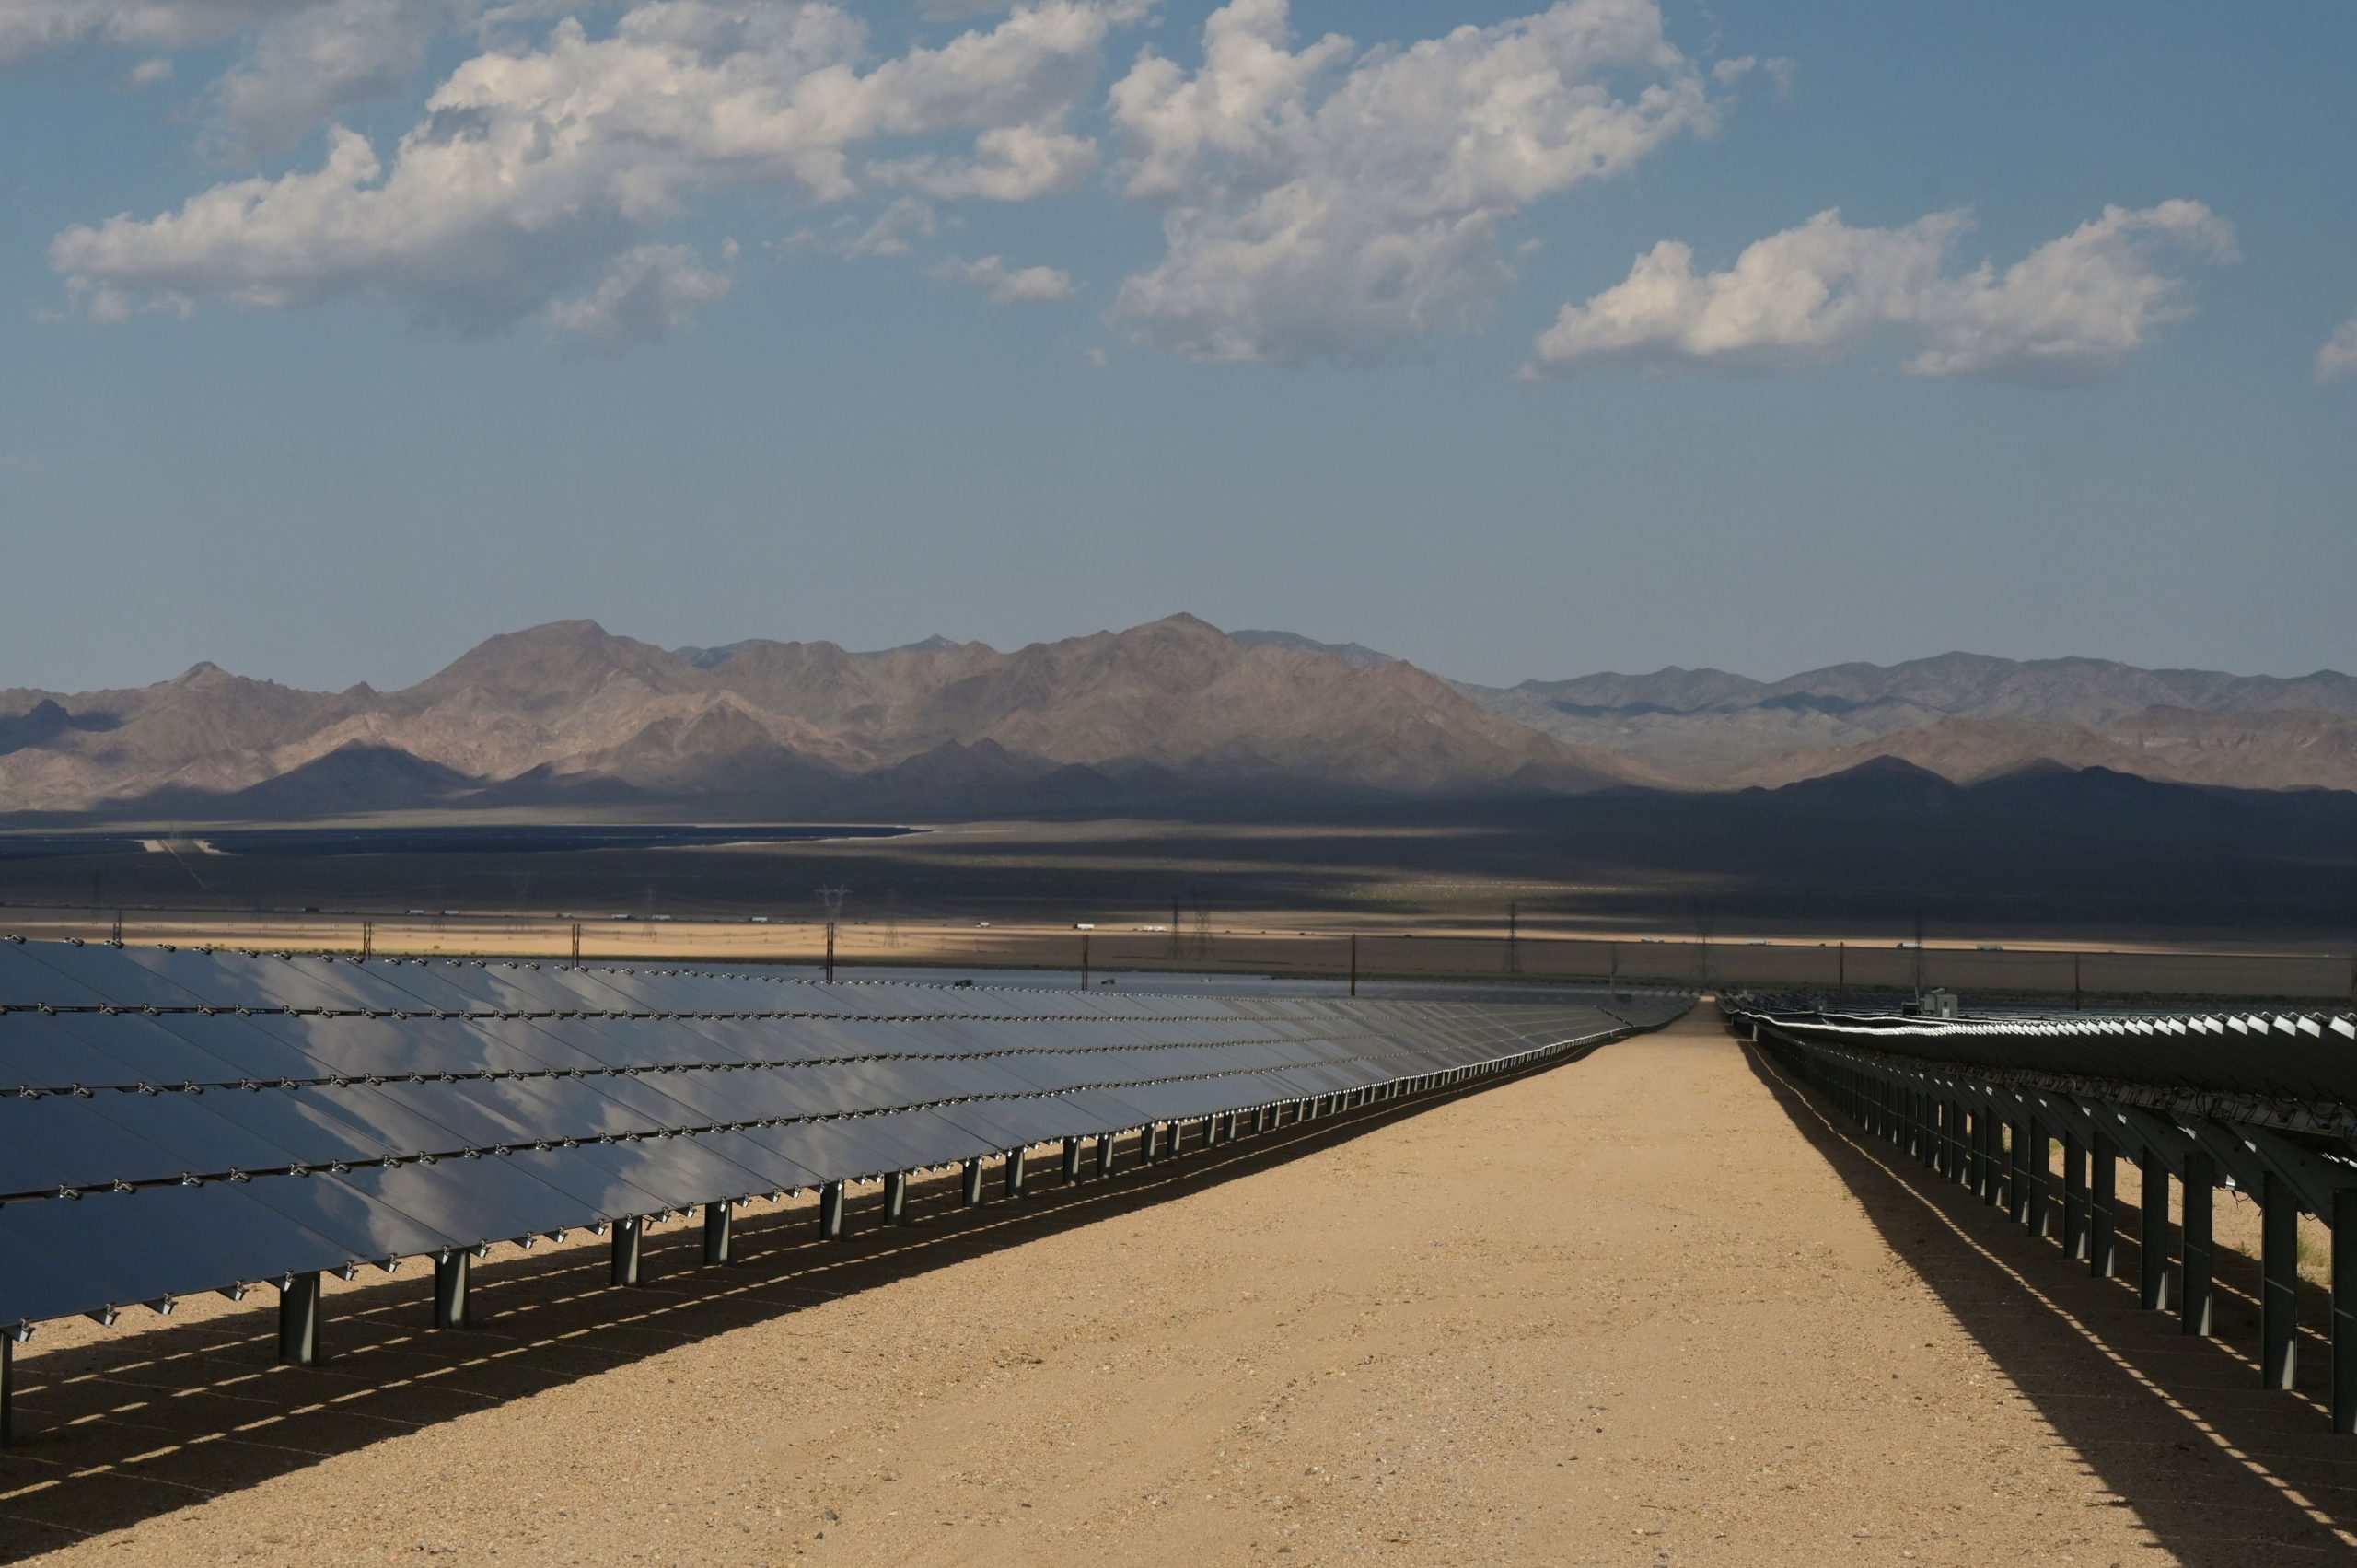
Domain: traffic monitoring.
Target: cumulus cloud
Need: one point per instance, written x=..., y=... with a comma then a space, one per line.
x=1326, y=203
x=2068, y=313
x=150, y=72
x=319, y=59
x=1003, y=285
x=649, y=293
x=29, y=28
x=2339, y=355
x=533, y=169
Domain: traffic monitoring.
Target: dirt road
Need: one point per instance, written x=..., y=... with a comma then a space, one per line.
x=1632, y=1311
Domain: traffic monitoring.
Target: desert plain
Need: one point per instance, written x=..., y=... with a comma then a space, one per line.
x=1655, y=1306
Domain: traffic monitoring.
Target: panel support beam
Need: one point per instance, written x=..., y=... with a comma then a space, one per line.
x=2344, y=1311
x=2103, y=1207
x=973, y=1193
x=627, y=1265
x=719, y=1234
x=2153, y=1233
x=299, y=1320
x=1013, y=1172
x=453, y=1274
x=2279, y=1290
x=830, y=1212
x=2201, y=1259
x=896, y=1197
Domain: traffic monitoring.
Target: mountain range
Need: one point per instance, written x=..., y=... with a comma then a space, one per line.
x=570, y=718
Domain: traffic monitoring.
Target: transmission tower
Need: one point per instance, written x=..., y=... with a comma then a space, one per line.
x=833, y=897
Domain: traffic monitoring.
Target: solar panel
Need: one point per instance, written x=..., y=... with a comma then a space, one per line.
x=175, y=1120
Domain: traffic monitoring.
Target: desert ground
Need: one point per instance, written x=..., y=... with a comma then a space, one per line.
x=1648, y=1307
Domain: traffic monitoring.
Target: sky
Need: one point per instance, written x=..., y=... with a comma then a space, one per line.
x=1520, y=341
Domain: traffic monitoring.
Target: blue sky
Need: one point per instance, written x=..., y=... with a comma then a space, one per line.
x=1518, y=340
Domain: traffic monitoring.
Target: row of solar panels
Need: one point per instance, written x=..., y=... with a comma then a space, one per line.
x=175, y=1127
x=2299, y=1056
x=75, y=976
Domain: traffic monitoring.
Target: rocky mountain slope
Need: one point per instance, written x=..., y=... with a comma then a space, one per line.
x=570, y=714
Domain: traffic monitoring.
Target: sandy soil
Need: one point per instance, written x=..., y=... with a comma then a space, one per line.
x=1646, y=1308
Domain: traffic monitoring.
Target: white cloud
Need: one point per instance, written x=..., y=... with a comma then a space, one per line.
x=29, y=28
x=319, y=59
x=150, y=72
x=533, y=167
x=1329, y=204
x=1008, y=286
x=2339, y=355
x=648, y=294
x=2070, y=312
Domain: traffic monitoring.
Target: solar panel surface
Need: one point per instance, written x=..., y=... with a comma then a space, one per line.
x=176, y=1121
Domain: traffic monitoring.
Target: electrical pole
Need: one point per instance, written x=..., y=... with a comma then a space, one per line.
x=833, y=897
x=1918, y=955
x=1514, y=938
x=1354, y=963
x=1083, y=960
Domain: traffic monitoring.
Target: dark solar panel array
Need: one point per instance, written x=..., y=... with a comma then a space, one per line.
x=2305, y=1057
x=179, y=1121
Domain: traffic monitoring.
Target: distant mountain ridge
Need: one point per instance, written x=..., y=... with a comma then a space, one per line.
x=568, y=716
x=1965, y=715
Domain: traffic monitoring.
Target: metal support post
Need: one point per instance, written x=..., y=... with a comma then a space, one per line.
x=719, y=1233
x=1071, y=1160
x=2074, y=1197
x=974, y=1184
x=2152, y=1234
x=1973, y=1134
x=298, y=1321
x=896, y=1197
x=7, y=1389
x=2200, y=1180
x=2038, y=1206
x=1146, y=1145
x=451, y=1277
x=2279, y=1290
x=2017, y=1180
x=1992, y=1158
x=830, y=1212
x=2344, y=1310
x=1105, y=1155
x=2102, y=1208
x=625, y=1269
x=1012, y=1173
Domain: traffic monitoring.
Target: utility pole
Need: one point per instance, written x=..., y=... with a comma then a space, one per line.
x=1918, y=955
x=1354, y=963
x=1083, y=960
x=1841, y=969
x=1178, y=943
x=576, y=943
x=833, y=897
x=2078, y=990
x=367, y=939
x=1514, y=938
